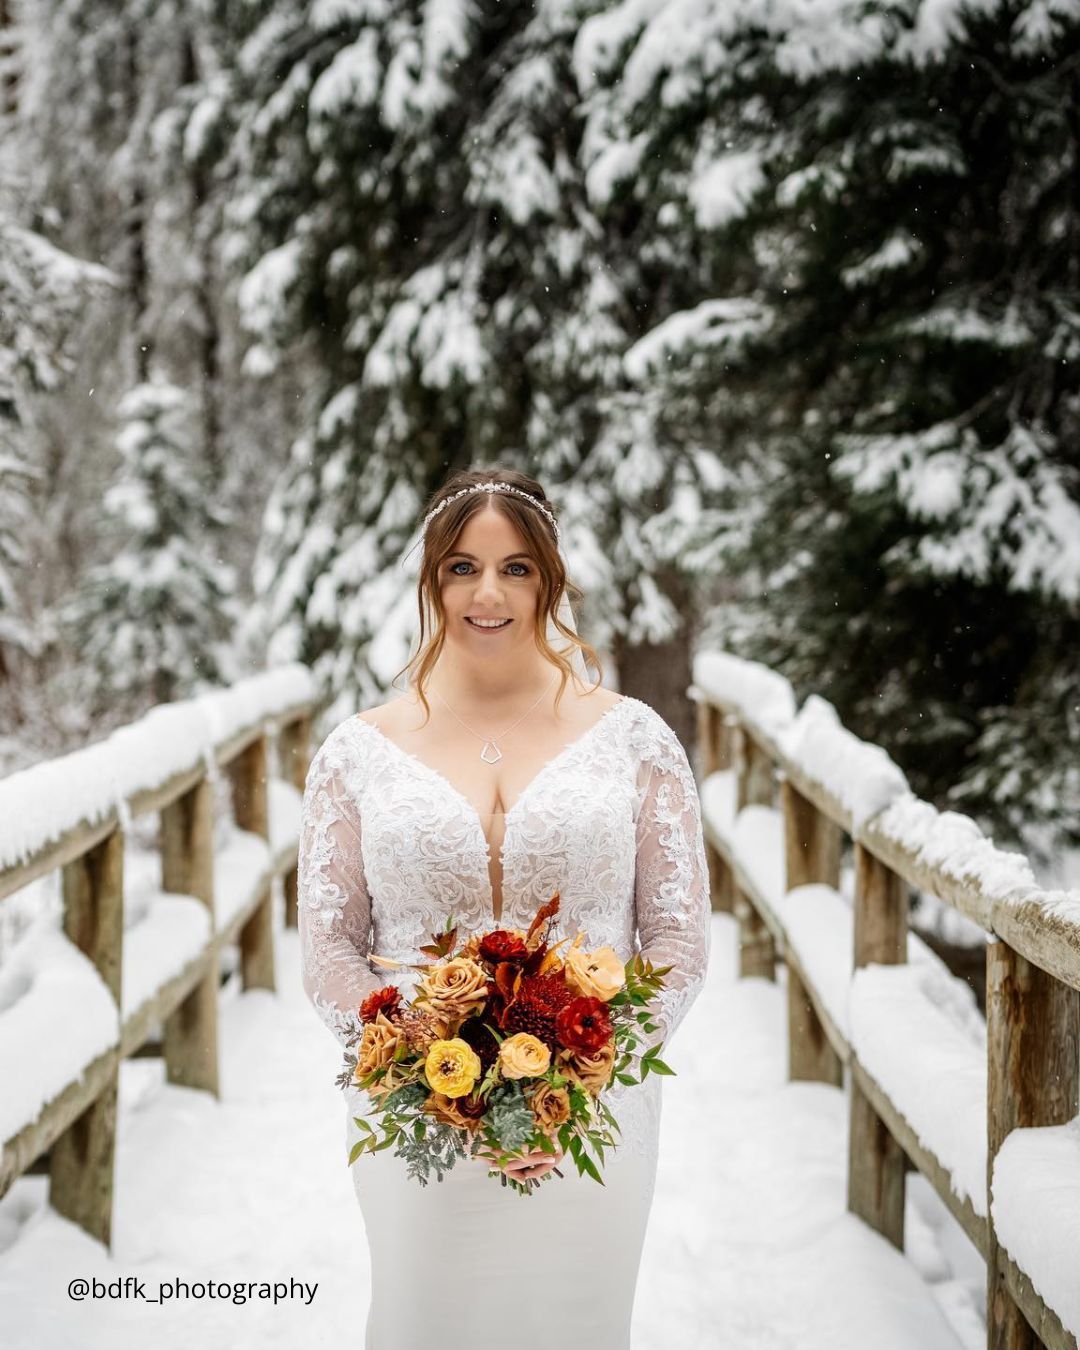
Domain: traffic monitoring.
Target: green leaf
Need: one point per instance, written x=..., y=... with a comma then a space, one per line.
x=605, y=1111
x=658, y=1066
x=363, y=1124
x=589, y=1166
x=390, y=1139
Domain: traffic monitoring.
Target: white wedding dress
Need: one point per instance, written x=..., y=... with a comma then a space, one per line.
x=388, y=849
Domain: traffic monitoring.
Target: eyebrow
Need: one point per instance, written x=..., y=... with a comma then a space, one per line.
x=457, y=553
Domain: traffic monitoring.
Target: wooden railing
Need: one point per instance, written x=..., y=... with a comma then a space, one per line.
x=764, y=765
x=172, y=758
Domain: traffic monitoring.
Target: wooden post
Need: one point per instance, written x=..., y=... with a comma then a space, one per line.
x=294, y=756
x=714, y=755
x=756, y=778
x=187, y=867
x=709, y=719
x=757, y=947
x=1033, y=1078
x=876, y=1164
x=81, y=1163
x=812, y=854
x=755, y=786
x=248, y=773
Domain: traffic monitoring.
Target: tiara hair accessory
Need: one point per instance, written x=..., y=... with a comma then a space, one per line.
x=493, y=487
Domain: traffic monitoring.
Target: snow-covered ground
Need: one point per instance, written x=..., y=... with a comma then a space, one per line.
x=749, y=1247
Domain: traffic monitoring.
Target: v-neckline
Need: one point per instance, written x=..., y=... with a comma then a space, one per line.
x=474, y=814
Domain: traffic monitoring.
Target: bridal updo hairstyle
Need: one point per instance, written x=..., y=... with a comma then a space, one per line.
x=440, y=539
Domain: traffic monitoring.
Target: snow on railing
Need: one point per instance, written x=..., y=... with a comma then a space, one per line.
x=96, y=987
x=928, y=1076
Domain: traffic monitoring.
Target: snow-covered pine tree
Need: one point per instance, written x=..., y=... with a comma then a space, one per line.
x=879, y=203
x=42, y=291
x=152, y=621
x=410, y=211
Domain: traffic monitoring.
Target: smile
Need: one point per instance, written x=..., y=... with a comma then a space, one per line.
x=488, y=624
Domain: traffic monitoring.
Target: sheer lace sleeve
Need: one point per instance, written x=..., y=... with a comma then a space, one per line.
x=333, y=904
x=671, y=892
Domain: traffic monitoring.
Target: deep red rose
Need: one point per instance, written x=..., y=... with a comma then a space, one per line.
x=385, y=1001
x=503, y=946
x=584, y=1025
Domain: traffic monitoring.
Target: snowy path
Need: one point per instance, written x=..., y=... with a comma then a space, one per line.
x=749, y=1245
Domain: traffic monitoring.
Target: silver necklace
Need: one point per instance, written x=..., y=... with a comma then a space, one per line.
x=489, y=743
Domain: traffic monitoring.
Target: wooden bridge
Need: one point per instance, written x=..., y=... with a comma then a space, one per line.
x=970, y=1119
x=786, y=793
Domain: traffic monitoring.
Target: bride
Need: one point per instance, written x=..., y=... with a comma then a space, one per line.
x=482, y=801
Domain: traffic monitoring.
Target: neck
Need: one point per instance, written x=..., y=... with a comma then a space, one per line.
x=467, y=683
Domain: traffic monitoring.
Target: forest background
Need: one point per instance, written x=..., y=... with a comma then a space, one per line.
x=780, y=302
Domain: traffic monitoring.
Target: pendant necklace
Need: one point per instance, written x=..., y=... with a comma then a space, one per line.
x=491, y=754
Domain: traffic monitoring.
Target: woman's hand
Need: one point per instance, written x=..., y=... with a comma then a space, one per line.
x=531, y=1166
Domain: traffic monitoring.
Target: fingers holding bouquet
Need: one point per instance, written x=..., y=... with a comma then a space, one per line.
x=505, y=1052
x=534, y=1165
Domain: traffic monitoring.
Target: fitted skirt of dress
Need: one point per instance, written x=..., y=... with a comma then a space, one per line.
x=469, y=1262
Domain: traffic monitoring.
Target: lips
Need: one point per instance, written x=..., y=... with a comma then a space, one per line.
x=487, y=627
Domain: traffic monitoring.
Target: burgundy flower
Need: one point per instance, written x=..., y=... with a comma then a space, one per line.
x=584, y=1025
x=503, y=946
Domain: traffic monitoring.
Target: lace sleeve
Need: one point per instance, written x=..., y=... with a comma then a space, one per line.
x=333, y=904
x=671, y=892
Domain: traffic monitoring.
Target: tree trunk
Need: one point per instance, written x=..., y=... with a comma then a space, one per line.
x=660, y=673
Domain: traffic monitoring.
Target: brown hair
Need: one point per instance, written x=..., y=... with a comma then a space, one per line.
x=534, y=527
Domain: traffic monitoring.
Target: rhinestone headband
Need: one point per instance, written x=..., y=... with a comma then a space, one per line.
x=492, y=487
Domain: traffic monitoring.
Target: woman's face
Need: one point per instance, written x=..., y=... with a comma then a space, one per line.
x=489, y=575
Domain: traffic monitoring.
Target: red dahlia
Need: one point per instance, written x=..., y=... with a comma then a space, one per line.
x=539, y=1001
x=503, y=946
x=383, y=1001
x=584, y=1024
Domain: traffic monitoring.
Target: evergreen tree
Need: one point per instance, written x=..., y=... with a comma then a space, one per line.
x=151, y=622
x=880, y=202
x=409, y=207
x=42, y=290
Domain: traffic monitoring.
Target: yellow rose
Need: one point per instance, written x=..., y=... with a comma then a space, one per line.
x=599, y=974
x=589, y=1071
x=523, y=1056
x=551, y=1106
x=452, y=1067
x=455, y=989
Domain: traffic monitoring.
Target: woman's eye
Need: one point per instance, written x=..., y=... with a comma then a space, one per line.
x=523, y=573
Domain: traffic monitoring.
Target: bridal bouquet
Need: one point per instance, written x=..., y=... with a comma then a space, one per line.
x=507, y=1046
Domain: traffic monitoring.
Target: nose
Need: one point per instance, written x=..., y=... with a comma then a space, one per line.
x=488, y=589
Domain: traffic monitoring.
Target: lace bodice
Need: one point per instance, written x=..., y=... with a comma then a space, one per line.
x=389, y=848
